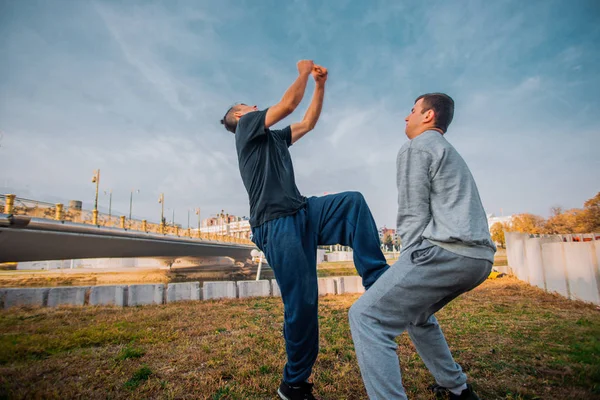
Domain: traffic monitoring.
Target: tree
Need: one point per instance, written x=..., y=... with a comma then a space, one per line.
x=527, y=223
x=563, y=222
x=388, y=242
x=497, y=231
x=590, y=218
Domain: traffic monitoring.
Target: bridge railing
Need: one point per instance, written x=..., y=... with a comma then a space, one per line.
x=11, y=204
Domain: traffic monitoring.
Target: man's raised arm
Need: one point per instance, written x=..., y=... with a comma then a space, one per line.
x=292, y=97
x=314, y=110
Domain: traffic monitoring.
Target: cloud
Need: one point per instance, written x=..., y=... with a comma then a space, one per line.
x=137, y=88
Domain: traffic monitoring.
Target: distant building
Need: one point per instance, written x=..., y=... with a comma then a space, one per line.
x=492, y=219
x=384, y=231
x=225, y=224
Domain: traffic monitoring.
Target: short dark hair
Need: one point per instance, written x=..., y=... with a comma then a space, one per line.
x=442, y=106
x=229, y=121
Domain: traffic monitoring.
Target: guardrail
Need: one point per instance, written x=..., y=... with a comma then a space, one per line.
x=11, y=204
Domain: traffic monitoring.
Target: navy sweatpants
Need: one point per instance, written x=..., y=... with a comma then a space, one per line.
x=290, y=246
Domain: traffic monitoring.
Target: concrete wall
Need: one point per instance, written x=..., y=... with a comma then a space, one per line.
x=139, y=295
x=275, y=288
x=108, y=295
x=183, y=291
x=68, y=295
x=327, y=286
x=320, y=255
x=254, y=288
x=219, y=290
x=135, y=295
x=24, y=297
x=349, y=284
x=339, y=256
x=134, y=262
x=557, y=263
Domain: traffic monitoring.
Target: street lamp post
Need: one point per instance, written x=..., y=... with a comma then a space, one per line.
x=198, y=214
x=161, y=200
x=96, y=180
x=131, y=202
x=109, y=203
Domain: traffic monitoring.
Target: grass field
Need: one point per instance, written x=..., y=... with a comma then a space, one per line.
x=514, y=341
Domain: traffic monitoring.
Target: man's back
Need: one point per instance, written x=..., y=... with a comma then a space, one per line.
x=266, y=169
x=438, y=199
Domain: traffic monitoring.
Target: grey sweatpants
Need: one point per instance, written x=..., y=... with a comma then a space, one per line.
x=405, y=297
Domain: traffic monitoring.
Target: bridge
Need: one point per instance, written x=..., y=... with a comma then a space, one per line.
x=24, y=238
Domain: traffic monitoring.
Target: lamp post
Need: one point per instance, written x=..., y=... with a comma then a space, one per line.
x=131, y=202
x=198, y=214
x=109, y=203
x=96, y=180
x=161, y=200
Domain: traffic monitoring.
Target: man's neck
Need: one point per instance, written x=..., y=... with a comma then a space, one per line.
x=427, y=130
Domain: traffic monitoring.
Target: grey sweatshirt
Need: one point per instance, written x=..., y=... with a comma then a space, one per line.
x=438, y=199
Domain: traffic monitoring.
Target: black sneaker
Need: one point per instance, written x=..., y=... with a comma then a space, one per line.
x=301, y=392
x=443, y=393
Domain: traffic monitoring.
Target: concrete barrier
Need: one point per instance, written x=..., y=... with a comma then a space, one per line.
x=349, y=284
x=253, y=288
x=555, y=269
x=183, y=291
x=138, y=295
x=275, y=288
x=320, y=256
x=72, y=296
x=219, y=290
x=15, y=297
x=327, y=286
x=339, y=256
x=108, y=295
x=582, y=263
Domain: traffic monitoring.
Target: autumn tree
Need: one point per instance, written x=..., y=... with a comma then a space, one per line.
x=497, y=231
x=590, y=219
x=527, y=223
x=575, y=220
x=388, y=242
x=562, y=222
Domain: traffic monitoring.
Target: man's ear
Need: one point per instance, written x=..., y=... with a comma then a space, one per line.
x=238, y=114
x=429, y=116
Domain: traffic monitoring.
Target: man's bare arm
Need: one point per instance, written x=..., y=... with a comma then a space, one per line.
x=314, y=110
x=292, y=97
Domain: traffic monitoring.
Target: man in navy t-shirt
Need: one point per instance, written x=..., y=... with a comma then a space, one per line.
x=288, y=227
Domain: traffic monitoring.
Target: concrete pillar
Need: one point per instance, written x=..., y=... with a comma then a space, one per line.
x=59, y=212
x=10, y=203
x=162, y=228
x=95, y=217
x=189, y=232
x=145, y=225
x=122, y=222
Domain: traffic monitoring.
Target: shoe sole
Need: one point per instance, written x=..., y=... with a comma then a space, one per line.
x=282, y=396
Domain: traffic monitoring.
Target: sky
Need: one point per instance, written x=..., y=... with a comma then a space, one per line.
x=137, y=89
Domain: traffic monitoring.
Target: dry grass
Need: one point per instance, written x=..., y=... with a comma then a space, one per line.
x=514, y=341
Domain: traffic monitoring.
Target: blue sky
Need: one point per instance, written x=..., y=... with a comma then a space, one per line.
x=136, y=88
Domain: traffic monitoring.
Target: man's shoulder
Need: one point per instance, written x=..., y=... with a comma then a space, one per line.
x=433, y=142
x=252, y=119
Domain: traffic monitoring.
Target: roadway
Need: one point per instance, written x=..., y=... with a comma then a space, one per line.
x=35, y=239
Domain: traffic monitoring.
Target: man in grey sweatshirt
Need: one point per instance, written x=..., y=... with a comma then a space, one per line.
x=447, y=250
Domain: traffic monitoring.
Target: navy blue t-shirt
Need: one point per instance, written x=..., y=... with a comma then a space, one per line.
x=266, y=169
